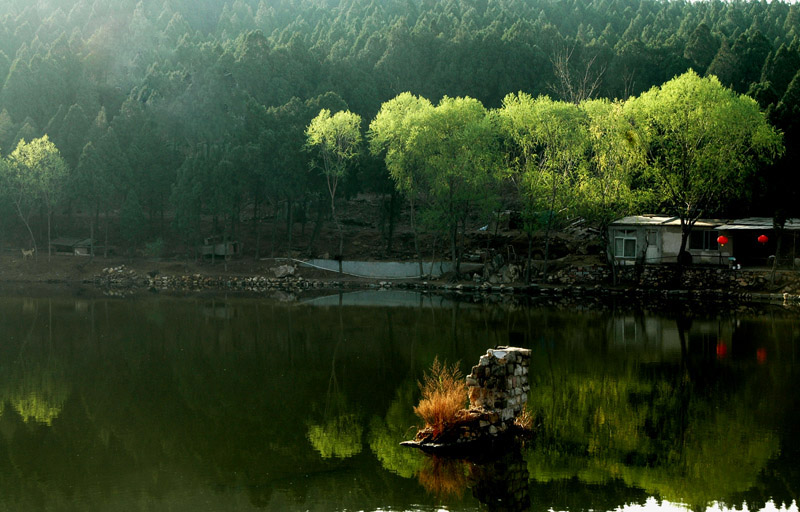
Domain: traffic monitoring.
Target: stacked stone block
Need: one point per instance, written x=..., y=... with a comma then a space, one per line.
x=498, y=387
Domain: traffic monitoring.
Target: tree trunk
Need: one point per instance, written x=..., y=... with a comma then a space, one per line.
x=28, y=227
x=96, y=223
x=778, y=227
x=274, y=233
x=547, y=244
x=317, y=226
x=105, y=243
x=775, y=259
x=530, y=258
x=48, y=235
x=91, y=237
x=162, y=221
x=339, y=255
x=553, y=196
x=416, y=237
x=453, y=250
x=290, y=227
x=686, y=229
x=392, y=202
x=258, y=234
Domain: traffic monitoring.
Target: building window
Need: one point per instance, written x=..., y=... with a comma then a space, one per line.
x=625, y=243
x=705, y=240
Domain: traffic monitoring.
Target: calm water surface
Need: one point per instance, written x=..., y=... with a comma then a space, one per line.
x=250, y=404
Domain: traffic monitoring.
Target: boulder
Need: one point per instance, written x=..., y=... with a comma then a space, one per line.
x=284, y=271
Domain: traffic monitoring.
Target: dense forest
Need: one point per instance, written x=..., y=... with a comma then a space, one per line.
x=170, y=111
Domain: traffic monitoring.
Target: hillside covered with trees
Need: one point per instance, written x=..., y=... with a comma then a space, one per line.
x=179, y=119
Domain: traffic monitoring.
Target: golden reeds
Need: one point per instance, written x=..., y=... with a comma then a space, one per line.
x=444, y=394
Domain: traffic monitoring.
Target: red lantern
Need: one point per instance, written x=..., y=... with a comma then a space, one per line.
x=722, y=350
x=762, y=239
x=722, y=240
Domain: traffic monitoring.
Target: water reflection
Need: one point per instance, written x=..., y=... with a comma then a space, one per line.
x=254, y=405
x=399, y=424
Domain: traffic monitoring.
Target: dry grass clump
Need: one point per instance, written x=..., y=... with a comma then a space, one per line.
x=524, y=420
x=444, y=395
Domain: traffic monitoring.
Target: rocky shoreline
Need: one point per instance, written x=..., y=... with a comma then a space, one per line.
x=651, y=284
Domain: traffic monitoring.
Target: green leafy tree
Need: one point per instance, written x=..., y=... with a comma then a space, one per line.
x=547, y=143
x=391, y=134
x=186, y=202
x=701, y=142
x=456, y=147
x=132, y=221
x=779, y=67
x=606, y=192
x=116, y=172
x=336, y=139
x=701, y=47
x=73, y=134
x=7, y=130
x=38, y=174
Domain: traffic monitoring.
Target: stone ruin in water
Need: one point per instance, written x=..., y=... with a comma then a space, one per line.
x=498, y=388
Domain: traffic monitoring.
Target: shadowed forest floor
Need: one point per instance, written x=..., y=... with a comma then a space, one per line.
x=366, y=236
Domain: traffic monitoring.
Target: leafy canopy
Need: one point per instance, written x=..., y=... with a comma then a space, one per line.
x=701, y=142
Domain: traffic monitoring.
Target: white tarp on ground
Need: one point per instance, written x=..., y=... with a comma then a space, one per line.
x=389, y=269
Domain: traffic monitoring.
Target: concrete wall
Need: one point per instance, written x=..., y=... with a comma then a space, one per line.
x=388, y=269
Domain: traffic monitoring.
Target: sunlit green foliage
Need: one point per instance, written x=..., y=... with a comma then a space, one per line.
x=456, y=146
x=172, y=79
x=335, y=141
x=391, y=134
x=547, y=144
x=607, y=191
x=702, y=142
x=37, y=175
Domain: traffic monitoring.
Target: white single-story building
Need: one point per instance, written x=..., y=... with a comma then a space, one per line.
x=653, y=239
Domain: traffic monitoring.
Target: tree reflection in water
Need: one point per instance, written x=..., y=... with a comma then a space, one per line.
x=158, y=404
x=338, y=436
x=399, y=424
x=35, y=381
x=687, y=431
x=340, y=431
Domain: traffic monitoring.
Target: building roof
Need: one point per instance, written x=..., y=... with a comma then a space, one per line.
x=718, y=224
x=72, y=242
x=662, y=220
x=644, y=220
x=758, y=223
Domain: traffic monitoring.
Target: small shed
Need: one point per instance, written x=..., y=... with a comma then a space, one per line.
x=654, y=239
x=73, y=246
x=217, y=246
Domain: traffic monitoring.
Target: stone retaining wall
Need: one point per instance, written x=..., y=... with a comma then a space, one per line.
x=667, y=277
x=498, y=387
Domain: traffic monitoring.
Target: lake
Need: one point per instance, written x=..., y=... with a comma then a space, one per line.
x=237, y=403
